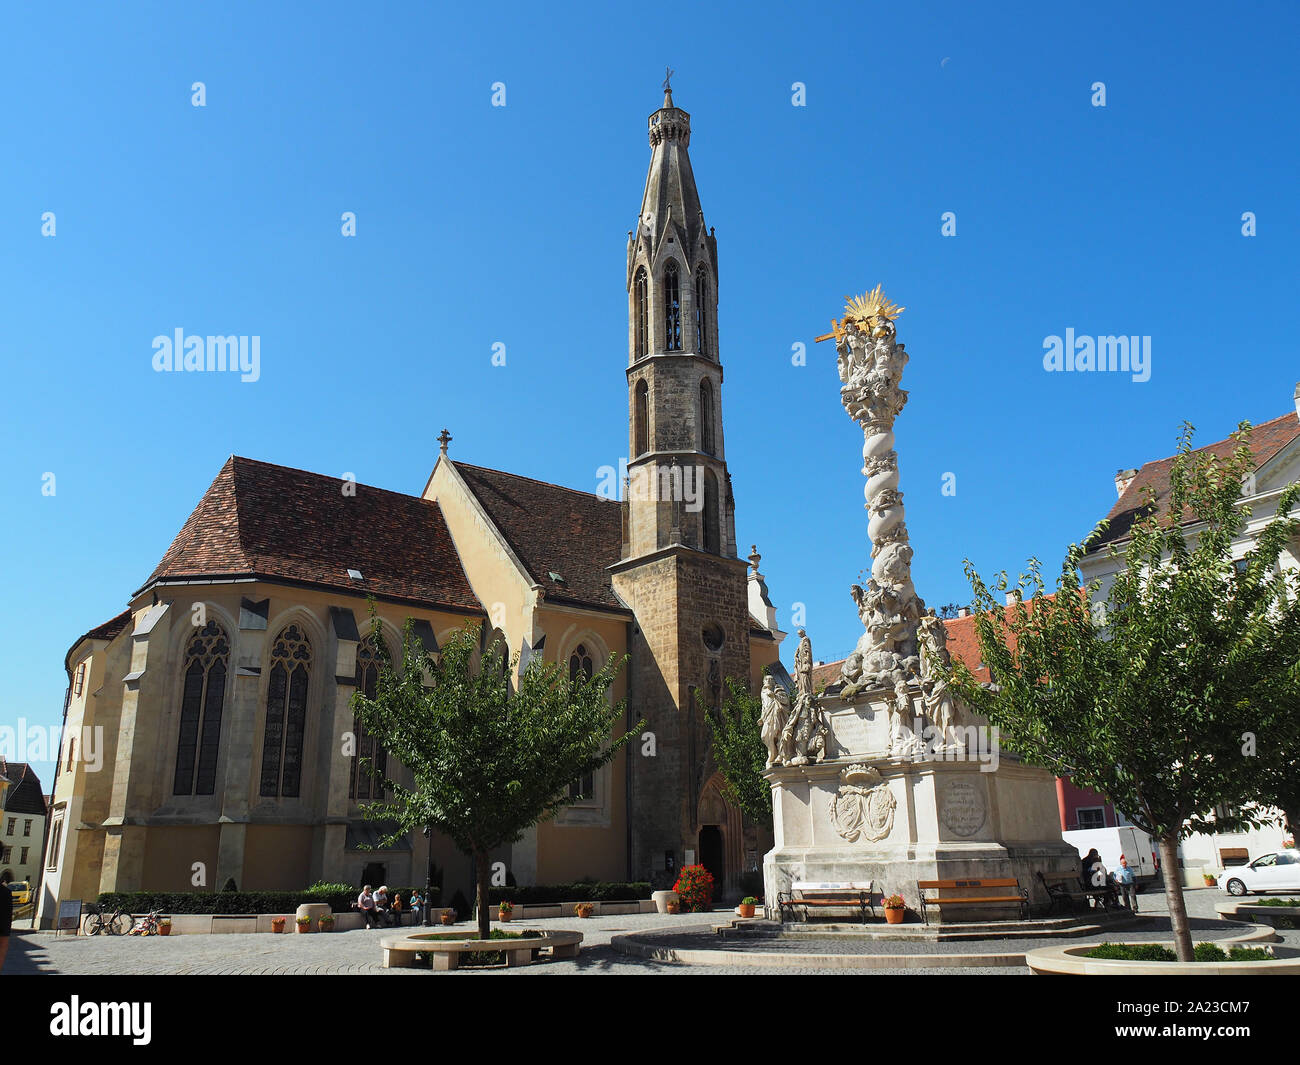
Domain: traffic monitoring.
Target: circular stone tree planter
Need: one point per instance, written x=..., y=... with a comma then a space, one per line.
x=1071, y=961
x=400, y=951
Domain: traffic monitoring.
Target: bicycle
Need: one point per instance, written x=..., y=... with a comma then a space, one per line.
x=117, y=923
x=148, y=926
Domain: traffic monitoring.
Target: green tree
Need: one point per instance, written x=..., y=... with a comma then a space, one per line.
x=488, y=760
x=736, y=728
x=1171, y=692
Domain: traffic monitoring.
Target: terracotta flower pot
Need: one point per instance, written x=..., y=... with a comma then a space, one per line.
x=674, y=906
x=448, y=918
x=503, y=915
x=164, y=929
x=895, y=914
x=277, y=924
x=584, y=909
x=303, y=929
x=746, y=911
x=326, y=926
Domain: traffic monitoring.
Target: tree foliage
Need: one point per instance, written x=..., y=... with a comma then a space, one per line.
x=737, y=737
x=488, y=760
x=1172, y=691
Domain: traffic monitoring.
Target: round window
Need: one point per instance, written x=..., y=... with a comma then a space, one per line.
x=713, y=637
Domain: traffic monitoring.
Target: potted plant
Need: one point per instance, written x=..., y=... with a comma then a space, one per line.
x=448, y=917
x=326, y=922
x=165, y=926
x=747, y=905
x=584, y=909
x=504, y=909
x=303, y=923
x=673, y=906
x=277, y=925
x=1210, y=879
x=895, y=909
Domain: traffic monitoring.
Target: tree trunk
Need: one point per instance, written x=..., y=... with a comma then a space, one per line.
x=1174, y=896
x=484, y=865
x=1293, y=823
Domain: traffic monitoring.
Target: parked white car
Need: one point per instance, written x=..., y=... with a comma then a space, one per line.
x=1268, y=872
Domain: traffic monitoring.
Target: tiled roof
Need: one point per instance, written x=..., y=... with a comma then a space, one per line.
x=1266, y=440
x=25, y=795
x=110, y=628
x=272, y=522
x=554, y=530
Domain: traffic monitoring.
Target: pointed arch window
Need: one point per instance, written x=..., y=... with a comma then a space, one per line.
x=581, y=665
x=641, y=314
x=672, y=308
x=203, y=694
x=701, y=311
x=286, y=714
x=706, y=418
x=363, y=784
x=712, y=539
x=641, y=418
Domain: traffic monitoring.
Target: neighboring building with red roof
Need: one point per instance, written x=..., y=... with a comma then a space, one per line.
x=22, y=823
x=1275, y=450
x=204, y=724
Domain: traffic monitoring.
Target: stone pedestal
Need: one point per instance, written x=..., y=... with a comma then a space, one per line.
x=971, y=812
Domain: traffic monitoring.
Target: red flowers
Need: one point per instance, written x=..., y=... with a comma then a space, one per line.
x=695, y=888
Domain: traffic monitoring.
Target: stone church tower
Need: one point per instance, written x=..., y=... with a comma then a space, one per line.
x=679, y=571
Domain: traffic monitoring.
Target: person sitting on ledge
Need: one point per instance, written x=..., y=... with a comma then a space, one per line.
x=366, y=904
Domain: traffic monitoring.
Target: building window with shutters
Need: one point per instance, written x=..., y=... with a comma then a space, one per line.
x=286, y=714
x=203, y=693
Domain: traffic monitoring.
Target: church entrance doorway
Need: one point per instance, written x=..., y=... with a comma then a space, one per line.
x=712, y=857
x=374, y=874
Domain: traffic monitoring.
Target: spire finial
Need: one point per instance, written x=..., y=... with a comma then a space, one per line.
x=444, y=438
x=668, y=88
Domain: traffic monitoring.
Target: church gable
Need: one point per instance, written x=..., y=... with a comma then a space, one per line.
x=564, y=538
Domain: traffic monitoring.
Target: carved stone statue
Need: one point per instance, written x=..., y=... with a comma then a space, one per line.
x=803, y=665
x=805, y=734
x=940, y=705
x=776, y=711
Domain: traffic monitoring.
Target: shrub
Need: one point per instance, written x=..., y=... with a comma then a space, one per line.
x=583, y=891
x=695, y=888
x=226, y=902
x=1275, y=902
x=1209, y=952
x=1132, y=952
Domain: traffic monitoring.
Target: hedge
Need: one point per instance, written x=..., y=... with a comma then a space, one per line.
x=174, y=902
x=586, y=891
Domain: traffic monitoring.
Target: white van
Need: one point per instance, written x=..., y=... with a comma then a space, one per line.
x=1132, y=843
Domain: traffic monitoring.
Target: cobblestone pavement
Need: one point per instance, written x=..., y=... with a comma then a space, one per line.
x=358, y=952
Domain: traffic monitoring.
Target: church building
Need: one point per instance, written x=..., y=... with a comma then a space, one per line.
x=205, y=726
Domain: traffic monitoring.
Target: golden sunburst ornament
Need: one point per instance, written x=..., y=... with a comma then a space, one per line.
x=861, y=312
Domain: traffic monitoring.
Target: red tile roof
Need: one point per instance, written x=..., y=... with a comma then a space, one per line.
x=1266, y=440
x=554, y=530
x=272, y=522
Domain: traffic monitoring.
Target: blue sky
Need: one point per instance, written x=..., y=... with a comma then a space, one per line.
x=479, y=225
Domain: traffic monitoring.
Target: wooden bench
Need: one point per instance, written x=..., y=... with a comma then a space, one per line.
x=1066, y=889
x=1018, y=896
x=855, y=895
x=400, y=951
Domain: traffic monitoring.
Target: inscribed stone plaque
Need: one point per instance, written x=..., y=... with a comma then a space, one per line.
x=963, y=809
x=849, y=730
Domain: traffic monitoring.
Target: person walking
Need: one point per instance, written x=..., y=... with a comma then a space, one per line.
x=1126, y=884
x=366, y=904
